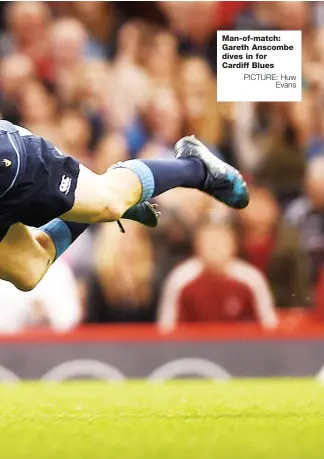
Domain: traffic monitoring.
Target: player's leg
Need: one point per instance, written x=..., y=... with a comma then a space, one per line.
x=25, y=256
x=27, y=253
x=107, y=197
x=102, y=198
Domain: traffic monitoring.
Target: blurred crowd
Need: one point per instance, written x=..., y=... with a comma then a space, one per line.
x=108, y=81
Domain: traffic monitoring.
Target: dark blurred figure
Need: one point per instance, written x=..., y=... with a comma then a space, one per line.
x=307, y=214
x=28, y=26
x=283, y=161
x=162, y=122
x=266, y=15
x=129, y=85
x=271, y=142
x=318, y=310
x=100, y=20
x=216, y=286
x=274, y=247
x=122, y=288
x=292, y=15
x=39, y=112
x=75, y=132
x=161, y=57
x=16, y=70
x=68, y=39
x=85, y=93
x=197, y=88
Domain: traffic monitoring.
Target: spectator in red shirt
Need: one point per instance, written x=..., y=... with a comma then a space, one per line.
x=216, y=286
x=274, y=247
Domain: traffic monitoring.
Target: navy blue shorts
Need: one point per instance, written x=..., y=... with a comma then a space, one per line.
x=37, y=181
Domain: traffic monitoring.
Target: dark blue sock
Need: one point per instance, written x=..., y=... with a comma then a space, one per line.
x=63, y=233
x=158, y=176
x=172, y=173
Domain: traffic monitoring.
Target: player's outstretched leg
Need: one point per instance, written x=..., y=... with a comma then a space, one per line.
x=107, y=197
x=195, y=167
x=123, y=191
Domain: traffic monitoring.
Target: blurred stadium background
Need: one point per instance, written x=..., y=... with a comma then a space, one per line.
x=210, y=292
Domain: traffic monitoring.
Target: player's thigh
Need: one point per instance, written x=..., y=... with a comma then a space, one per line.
x=101, y=198
x=90, y=197
x=23, y=260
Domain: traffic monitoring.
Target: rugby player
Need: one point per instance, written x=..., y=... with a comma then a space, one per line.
x=47, y=199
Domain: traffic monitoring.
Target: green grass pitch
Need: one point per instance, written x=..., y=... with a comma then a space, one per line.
x=242, y=419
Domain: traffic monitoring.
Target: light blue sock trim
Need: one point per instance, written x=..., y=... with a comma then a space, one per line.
x=60, y=234
x=145, y=175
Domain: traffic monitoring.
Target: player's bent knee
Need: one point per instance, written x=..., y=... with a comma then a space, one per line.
x=26, y=280
x=26, y=283
x=25, y=256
